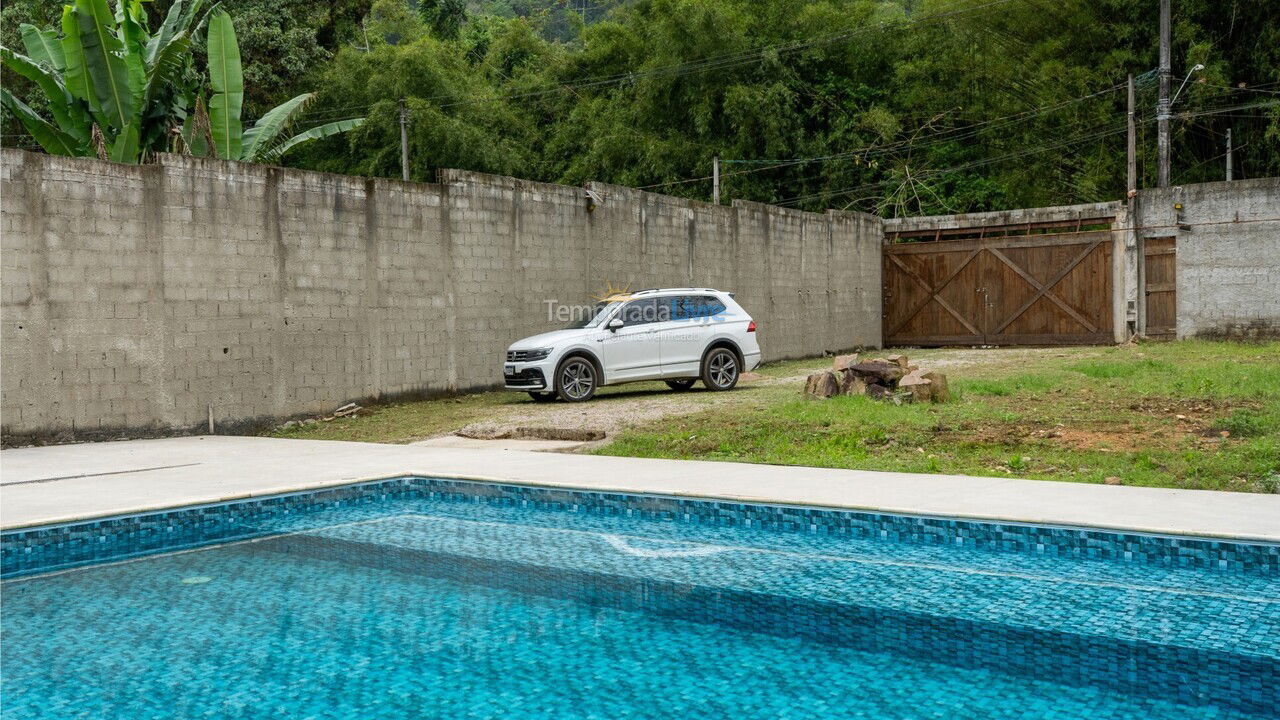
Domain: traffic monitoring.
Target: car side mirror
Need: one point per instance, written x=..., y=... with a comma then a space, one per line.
x=614, y=324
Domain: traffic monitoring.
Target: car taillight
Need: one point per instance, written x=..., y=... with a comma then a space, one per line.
x=751, y=326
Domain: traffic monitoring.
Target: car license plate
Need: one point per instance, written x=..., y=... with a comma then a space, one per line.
x=509, y=370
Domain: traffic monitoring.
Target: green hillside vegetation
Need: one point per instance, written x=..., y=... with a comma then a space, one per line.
x=899, y=107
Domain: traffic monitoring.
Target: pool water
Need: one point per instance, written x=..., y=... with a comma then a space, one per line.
x=426, y=609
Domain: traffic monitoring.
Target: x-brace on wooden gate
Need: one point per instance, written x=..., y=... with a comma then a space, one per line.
x=1022, y=290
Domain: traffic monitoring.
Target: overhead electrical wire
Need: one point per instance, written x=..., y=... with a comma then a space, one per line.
x=990, y=160
x=927, y=173
x=943, y=136
x=950, y=135
x=714, y=62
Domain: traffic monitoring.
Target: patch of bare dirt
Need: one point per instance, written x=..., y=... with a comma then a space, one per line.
x=609, y=413
x=1190, y=409
x=1109, y=440
x=993, y=358
x=493, y=431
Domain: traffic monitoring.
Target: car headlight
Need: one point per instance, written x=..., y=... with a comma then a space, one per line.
x=528, y=355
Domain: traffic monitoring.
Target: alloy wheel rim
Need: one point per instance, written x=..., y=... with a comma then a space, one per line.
x=724, y=367
x=576, y=379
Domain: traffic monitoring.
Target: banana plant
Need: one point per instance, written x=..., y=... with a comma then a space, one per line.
x=264, y=142
x=120, y=92
x=106, y=71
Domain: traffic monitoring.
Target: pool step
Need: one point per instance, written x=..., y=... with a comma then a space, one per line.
x=1190, y=675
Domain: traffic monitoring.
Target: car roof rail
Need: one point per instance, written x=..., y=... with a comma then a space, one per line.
x=650, y=291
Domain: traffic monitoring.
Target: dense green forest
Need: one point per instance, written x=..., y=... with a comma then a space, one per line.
x=894, y=106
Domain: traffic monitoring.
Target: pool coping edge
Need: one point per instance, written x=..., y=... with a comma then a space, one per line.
x=763, y=500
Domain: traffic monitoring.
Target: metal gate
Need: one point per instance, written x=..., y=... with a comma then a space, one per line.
x=1050, y=289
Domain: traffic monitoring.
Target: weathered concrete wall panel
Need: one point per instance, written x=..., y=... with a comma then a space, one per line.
x=138, y=299
x=1228, y=254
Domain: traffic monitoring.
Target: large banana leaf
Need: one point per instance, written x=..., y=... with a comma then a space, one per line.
x=314, y=133
x=130, y=15
x=131, y=19
x=75, y=76
x=178, y=20
x=205, y=18
x=228, y=86
x=108, y=72
x=167, y=30
x=53, y=140
x=67, y=111
x=266, y=132
x=166, y=65
x=43, y=46
x=125, y=147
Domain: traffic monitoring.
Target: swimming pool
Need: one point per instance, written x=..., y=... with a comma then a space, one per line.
x=420, y=597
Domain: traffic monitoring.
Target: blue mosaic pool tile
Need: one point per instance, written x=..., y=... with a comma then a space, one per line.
x=274, y=634
x=359, y=588
x=1189, y=648
x=40, y=549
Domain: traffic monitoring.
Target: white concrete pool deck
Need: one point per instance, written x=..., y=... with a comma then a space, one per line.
x=43, y=485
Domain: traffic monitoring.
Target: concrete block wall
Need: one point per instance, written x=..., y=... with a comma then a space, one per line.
x=1228, y=254
x=142, y=299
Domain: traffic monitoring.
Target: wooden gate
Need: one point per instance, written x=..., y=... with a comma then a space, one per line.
x=1161, y=286
x=1051, y=289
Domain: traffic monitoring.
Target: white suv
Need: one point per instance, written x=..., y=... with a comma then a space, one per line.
x=679, y=335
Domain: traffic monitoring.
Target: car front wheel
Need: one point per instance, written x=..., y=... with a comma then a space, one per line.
x=576, y=380
x=720, y=369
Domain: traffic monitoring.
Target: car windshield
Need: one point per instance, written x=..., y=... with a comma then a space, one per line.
x=597, y=315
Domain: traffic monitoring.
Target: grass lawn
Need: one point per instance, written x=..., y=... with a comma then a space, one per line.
x=1187, y=414
x=1149, y=414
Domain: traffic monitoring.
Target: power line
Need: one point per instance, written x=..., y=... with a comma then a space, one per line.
x=1233, y=108
x=715, y=62
x=958, y=168
x=1236, y=88
x=944, y=136
x=963, y=133
x=992, y=160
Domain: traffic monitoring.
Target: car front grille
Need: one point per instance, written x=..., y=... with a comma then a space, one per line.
x=525, y=355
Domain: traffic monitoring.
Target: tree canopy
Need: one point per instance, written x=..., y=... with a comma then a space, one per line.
x=893, y=106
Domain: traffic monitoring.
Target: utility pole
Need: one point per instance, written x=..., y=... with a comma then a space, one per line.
x=1163, y=107
x=1229, y=154
x=404, y=141
x=715, y=180
x=1133, y=144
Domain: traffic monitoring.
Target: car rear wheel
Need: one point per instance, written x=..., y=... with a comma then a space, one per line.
x=576, y=379
x=720, y=369
x=542, y=397
x=681, y=385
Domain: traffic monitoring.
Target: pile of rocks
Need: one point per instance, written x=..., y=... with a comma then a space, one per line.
x=891, y=378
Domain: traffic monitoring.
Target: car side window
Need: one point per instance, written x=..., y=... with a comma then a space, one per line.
x=709, y=306
x=683, y=307
x=639, y=312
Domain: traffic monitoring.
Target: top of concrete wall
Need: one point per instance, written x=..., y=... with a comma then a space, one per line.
x=606, y=190
x=451, y=176
x=1061, y=213
x=1268, y=186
